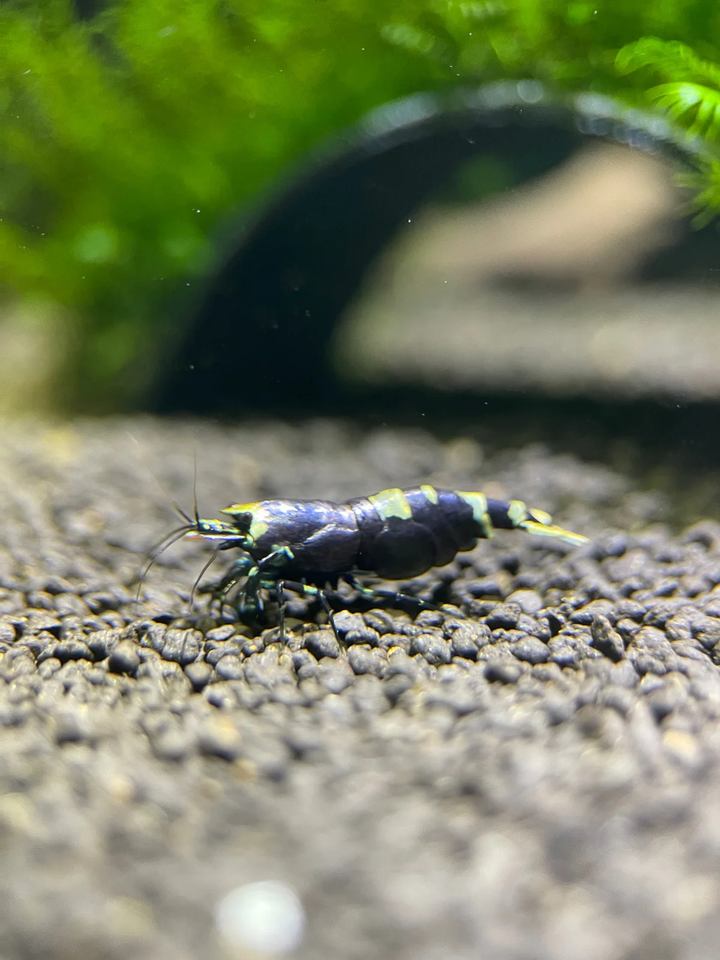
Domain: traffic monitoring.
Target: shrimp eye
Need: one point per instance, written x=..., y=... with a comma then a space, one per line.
x=242, y=521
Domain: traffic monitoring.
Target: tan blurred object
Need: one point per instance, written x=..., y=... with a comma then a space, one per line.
x=635, y=342
x=588, y=222
x=533, y=290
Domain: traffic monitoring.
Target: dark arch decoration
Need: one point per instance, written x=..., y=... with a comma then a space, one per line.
x=258, y=336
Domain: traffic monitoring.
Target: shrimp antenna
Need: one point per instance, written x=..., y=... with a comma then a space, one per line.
x=152, y=555
x=192, y=524
x=161, y=486
x=202, y=573
x=195, y=500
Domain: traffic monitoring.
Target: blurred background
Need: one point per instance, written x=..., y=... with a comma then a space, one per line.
x=227, y=207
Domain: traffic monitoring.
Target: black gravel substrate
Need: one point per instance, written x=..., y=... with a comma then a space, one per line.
x=533, y=772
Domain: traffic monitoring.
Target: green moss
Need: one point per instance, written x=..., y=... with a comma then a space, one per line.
x=125, y=140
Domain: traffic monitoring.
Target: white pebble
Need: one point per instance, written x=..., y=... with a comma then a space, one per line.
x=265, y=918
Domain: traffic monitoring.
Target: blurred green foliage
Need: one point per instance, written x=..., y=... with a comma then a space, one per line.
x=127, y=138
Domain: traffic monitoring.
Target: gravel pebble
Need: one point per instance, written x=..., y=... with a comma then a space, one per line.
x=364, y=660
x=124, y=658
x=432, y=647
x=199, y=674
x=182, y=646
x=502, y=670
x=468, y=639
x=219, y=649
x=72, y=650
x=322, y=643
x=504, y=616
x=219, y=737
x=101, y=642
x=379, y=620
x=396, y=685
x=229, y=667
x=607, y=640
x=218, y=634
x=529, y=601
x=531, y=650
x=335, y=675
x=36, y=622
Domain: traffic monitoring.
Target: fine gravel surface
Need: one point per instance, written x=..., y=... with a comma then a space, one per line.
x=532, y=771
